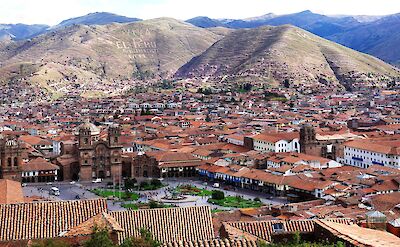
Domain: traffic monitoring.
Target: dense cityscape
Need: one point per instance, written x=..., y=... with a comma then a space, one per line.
x=204, y=152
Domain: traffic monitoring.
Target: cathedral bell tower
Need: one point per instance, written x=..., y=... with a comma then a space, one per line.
x=307, y=138
x=114, y=134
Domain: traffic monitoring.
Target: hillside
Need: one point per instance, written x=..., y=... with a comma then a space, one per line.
x=273, y=54
x=380, y=38
x=95, y=59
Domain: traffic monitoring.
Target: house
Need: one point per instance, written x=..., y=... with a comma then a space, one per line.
x=275, y=142
x=377, y=151
x=39, y=170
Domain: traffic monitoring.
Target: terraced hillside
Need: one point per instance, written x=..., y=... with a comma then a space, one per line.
x=275, y=54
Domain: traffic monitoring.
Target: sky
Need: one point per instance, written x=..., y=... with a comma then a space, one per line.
x=52, y=12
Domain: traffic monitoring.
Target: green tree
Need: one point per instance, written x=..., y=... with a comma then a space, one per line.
x=156, y=183
x=144, y=184
x=145, y=240
x=50, y=243
x=99, y=238
x=130, y=183
x=217, y=195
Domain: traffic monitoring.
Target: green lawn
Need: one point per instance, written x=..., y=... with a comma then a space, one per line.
x=193, y=190
x=236, y=202
x=111, y=193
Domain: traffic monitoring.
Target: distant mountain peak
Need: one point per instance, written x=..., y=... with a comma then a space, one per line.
x=96, y=18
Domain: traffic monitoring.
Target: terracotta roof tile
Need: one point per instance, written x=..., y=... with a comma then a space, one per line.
x=37, y=220
x=167, y=225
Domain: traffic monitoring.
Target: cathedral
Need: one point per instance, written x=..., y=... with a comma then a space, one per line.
x=99, y=158
x=93, y=155
x=11, y=153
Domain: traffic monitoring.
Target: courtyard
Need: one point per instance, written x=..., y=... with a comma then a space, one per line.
x=194, y=191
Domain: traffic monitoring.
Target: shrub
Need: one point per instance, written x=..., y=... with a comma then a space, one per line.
x=156, y=183
x=130, y=183
x=257, y=199
x=218, y=195
x=144, y=184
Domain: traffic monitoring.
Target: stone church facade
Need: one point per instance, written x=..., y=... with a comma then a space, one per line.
x=99, y=158
x=11, y=155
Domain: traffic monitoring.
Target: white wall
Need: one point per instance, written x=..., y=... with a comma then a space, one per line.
x=364, y=158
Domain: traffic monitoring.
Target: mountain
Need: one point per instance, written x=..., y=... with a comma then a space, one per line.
x=380, y=38
x=97, y=18
x=318, y=24
x=205, y=22
x=361, y=18
x=261, y=18
x=274, y=54
x=20, y=31
x=95, y=59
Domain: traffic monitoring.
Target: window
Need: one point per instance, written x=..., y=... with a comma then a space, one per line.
x=15, y=161
x=86, y=140
x=9, y=162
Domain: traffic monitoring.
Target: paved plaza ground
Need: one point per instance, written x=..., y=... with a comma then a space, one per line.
x=81, y=190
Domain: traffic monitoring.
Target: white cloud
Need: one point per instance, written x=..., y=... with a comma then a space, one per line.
x=53, y=11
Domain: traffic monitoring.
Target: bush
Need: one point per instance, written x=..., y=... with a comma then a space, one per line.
x=217, y=195
x=257, y=199
x=130, y=183
x=144, y=184
x=156, y=183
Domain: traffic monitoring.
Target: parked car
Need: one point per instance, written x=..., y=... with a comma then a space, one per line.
x=216, y=185
x=72, y=182
x=97, y=180
x=49, y=183
x=24, y=185
x=54, y=191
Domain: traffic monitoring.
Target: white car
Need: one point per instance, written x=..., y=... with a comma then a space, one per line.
x=54, y=191
x=72, y=182
x=24, y=185
x=96, y=181
x=49, y=183
x=216, y=185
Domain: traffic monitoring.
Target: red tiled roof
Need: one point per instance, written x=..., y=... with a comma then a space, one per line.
x=37, y=220
x=167, y=225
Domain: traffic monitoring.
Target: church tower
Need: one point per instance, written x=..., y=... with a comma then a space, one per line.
x=114, y=134
x=308, y=139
